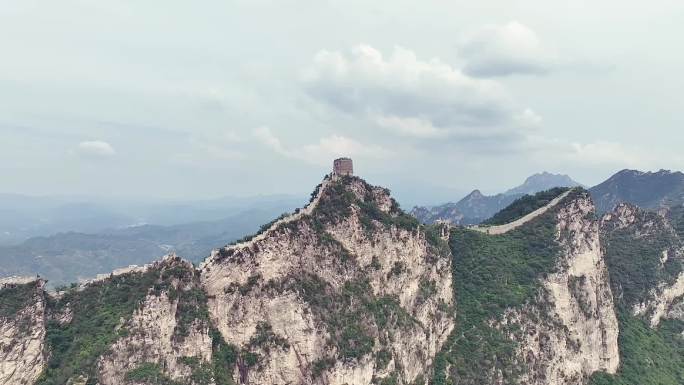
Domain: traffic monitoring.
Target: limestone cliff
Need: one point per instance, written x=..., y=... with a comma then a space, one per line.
x=22, y=330
x=350, y=291
x=571, y=329
x=536, y=297
x=648, y=261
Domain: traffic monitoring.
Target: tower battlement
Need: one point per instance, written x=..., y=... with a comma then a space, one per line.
x=343, y=166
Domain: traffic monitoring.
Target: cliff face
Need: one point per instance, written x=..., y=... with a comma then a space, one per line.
x=571, y=330
x=540, y=297
x=169, y=331
x=22, y=330
x=648, y=261
x=351, y=290
x=361, y=293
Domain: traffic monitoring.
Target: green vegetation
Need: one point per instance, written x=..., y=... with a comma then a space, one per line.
x=192, y=308
x=223, y=358
x=352, y=315
x=202, y=372
x=491, y=274
x=525, y=205
x=97, y=312
x=382, y=359
x=264, y=338
x=337, y=202
x=149, y=373
x=633, y=257
x=13, y=298
x=244, y=288
x=648, y=356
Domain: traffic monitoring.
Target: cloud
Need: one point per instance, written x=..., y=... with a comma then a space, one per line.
x=598, y=153
x=95, y=148
x=322, y=152
x=409, y=96
x=502, y=50
x=528, y=118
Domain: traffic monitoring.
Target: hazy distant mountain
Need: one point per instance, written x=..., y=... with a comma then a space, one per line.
x=650, y=190
x=476, y=207
x=23, y=217
x=353, y=290
x=70, y=256
x=541, y=182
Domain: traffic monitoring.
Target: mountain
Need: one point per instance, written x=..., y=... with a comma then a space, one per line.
x=650, y=190
x=24, y=217
x=541, y=182
x=352, y=290
x=477, y=207
x=347, y=290
x=72, y=256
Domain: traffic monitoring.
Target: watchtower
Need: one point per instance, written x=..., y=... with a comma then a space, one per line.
x=343, y=166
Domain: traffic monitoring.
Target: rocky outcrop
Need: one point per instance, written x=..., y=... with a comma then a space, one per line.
x=22, y=330
x=571, y=330
x=348, y=293
x=153, y=335
x=654, y=273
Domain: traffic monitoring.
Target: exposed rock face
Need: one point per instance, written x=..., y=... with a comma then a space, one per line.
x=351, y=290
x=152, y=336
x=354, y=296
x=571, y=331
x=659, y=280
x=22, y=331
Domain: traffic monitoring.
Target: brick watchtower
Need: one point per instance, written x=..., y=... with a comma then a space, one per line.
x=343, y=166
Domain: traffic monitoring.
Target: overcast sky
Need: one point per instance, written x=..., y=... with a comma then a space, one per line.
x=187, y=99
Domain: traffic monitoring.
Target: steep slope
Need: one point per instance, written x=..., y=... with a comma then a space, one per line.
x=534, y=303
x=22, y=330
x=347, y=290
x=645, y=257
x=649, y=190
x=361, y=294
x=477, y=207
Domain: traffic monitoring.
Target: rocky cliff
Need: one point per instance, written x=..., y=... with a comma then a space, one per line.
x=534, y=301
x=22, y=330
x=351, y=290
x=348, y=290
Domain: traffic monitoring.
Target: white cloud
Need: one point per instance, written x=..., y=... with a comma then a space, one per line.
x=95, y=148
x=599, y=153
x=412, y=97
x=501, y=50
x=414, y=127
x=528, y=118
x=320, y=153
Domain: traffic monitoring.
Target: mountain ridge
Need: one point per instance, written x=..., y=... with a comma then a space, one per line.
x=476, y=207
x=351, y=289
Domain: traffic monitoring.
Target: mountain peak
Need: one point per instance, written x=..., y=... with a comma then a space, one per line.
x=650, y=190
x=543, y=181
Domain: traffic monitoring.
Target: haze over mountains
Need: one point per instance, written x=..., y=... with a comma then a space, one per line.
x=476, y=207
x=352, y=290
x=66, y=240
x=650, y=190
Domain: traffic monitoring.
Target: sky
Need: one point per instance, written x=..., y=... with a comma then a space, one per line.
x=193, y=100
